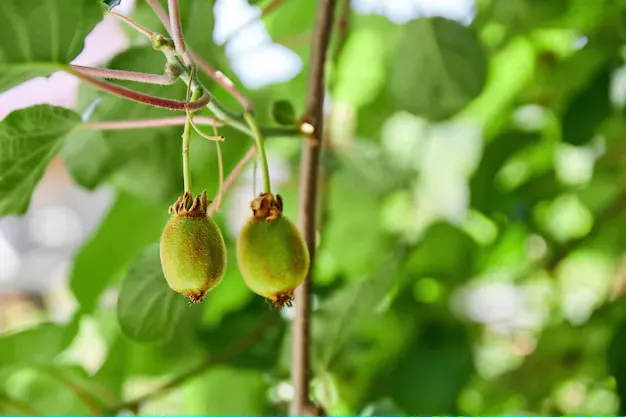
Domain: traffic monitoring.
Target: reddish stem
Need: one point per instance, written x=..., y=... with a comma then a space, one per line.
x=176, y=30
x=148, y=123
x=133, y=24
x=159, y=79
x=142, y=97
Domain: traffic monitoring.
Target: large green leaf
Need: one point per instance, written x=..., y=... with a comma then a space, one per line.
x=36, y=346
x=148, y=310
x=227, y=391
x=129, y=226
x=29, y=139
x=93, y=156
x=428, y=377
x=38, y=38
x=439, y=67
x=335, y=322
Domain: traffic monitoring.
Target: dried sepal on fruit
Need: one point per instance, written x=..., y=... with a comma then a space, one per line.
x=272, y=255
x=192, y=248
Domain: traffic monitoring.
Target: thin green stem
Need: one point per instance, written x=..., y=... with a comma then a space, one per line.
x=186, y=169
x=258, y=137
x=186, y=140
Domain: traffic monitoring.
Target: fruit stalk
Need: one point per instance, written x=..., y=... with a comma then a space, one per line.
x=186, y=140
x=258, y=137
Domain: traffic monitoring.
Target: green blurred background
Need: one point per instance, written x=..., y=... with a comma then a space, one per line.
x=470, y=249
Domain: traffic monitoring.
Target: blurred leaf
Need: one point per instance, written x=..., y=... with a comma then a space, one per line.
x=587, y=110
x=616, y=362
x=227, y=391
x=290, y=18
x=37, y=345
x=284, y=113
x=112, y=374
x=439, y=68
x=147, y=308
x=335, y=321
x=29, y=140
x=156, y=177
x=37, y=39
x=93, y=156
x=128, y=227
x=255, y=323
x=49, y=394
x=428, y=377
x=522, y=15
x=444, y=252
x=485, y=197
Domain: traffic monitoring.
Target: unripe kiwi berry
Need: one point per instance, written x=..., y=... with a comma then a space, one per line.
x=272, y=255
x=193, y=253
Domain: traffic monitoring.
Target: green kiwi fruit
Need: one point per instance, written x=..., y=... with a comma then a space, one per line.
x=192, y=249
x=272, y=255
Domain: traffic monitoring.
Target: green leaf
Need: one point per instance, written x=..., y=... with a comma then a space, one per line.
x=37, y=345
x=445, y=252
x=92, y=157
x=485, y=197
x=129, y=226
x=39, y=38
x=340, y=315
x=212, y=393
x=588, y=110
x=290, y=18
x=29, y=139
x=429, y=376
x=284, y=113
x=616, y=362
x=439, y=68
x=147, y=309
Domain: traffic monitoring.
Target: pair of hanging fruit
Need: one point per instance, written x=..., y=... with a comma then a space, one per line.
x=272, y=256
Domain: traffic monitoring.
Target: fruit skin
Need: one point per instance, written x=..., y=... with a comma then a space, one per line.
x=272, y=255
x=193, y=252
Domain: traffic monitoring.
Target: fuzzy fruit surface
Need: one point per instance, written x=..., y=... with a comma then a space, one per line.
x=273, y=257
x=193, y=255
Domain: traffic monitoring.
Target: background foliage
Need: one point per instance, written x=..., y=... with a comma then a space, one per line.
x=471, y=257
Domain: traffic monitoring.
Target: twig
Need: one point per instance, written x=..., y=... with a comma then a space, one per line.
x=141, y=77
x=238, y=347
x=222, y=80
x=230, y=180
x=308, y=200
x=133, y=24
x=176, y=30
x=141, y=97
x=148, y=123
x=161, y=13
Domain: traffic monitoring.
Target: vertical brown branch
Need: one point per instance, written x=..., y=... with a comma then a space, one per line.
x=308, y=201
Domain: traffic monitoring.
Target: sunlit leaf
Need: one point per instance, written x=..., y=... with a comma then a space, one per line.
x=29, y=139
x=39, y=38
x=439, y=68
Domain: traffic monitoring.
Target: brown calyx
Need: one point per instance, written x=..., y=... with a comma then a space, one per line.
x=198, y=207
x=282, y=299
x=194, y=296
x=266, y=207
